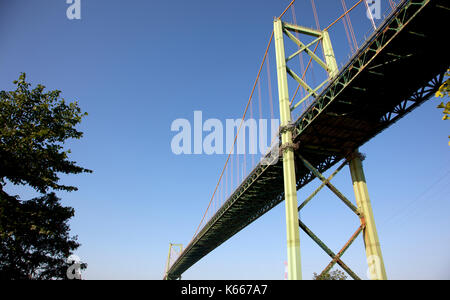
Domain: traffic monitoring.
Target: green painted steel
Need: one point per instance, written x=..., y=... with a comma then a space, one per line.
x=324, y=182
x=371, y=241
x=328, y=184
x=307, y=50
x=330, y=64
x=327, y=250
x=301, y=82
x=168, y=261
x=336, y=258
x=309, y=95
x=290, y=188
x=346, y=246
x=302, y=29
x=330, y=59
x=180, y=247
x=303, y=49
x=355, y=106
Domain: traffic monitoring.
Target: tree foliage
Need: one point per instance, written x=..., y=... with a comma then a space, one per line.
x=333, y=275
x=33, y=128
x=444, y=91
x=34, y=234
x=34, y=238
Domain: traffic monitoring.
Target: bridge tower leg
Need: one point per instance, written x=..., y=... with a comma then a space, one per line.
x=176, y=247
x=290, y=187
x=370, y=235
x=330, y=59
x=168, y=261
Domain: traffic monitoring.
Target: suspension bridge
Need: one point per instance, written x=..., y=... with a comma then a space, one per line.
x=391, y=73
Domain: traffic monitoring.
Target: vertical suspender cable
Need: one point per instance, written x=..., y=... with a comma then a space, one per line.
x=349, y=22
x=237, y=166
x=243, y=117
x=251, y=154
x=316, y=16
x=348, y=34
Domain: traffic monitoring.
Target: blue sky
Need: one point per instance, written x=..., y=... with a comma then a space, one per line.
x=136, y=66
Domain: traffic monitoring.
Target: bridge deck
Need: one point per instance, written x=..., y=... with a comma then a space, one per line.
x=399, y=67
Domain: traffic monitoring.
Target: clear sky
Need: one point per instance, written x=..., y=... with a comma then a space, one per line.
x=136, y=66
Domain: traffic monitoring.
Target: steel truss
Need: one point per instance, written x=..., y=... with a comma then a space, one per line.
x=366, y=97
x=379, y=272
x=175, y=247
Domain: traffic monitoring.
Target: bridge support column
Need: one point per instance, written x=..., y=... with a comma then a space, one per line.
x=169, y=256
x=333, y=69
x=370, y=235
x=290, y=185
x=168, y=261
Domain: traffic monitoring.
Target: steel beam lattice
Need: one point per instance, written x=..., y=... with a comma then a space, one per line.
x=390, y=75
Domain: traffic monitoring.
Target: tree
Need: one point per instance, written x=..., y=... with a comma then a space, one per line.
x=34, y=238
x=444, y=91
x=334, y=275
x=34, y=234
x=34, y=127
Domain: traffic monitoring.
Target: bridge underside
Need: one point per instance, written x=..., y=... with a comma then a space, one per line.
x=400, y=66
